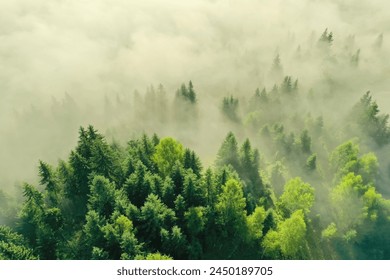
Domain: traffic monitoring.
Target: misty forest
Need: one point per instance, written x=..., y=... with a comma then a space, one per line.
x=207, y=130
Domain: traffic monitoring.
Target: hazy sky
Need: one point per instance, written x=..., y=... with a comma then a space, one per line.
x=89, y=47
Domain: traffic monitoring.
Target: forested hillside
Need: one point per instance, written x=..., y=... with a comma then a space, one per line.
x=205, y=129
x=153, y=198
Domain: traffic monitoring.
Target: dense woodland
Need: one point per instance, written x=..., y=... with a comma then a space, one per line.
x=287, y=182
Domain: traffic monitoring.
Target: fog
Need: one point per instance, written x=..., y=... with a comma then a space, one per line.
x=63, y=61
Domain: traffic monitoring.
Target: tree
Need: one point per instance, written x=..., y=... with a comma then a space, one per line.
x=167, y=152
x=142, y=150
x=191, y=92
x=277, y=173
x=193, y=192
x=49, y=179
x=84, y=160
x=230, y=108
x=153, y=256
x=347, y=203
x=311, y=163
x=292, y=235
x=270, y=221
x=121, y=240
x=325, y=40
x=256, y=223
x=168, y=192
x=155, y=216
x=103, y=196
x=103, y=160
x=344, y=158
x=209, y=185
x=373, y=201
x=258, y=100
x=93, y=234
x=192, y=161
x=277, y=69
x=185, y=105
x=228, y=152
x=297, y=195
x=271, y=245
x=249, y=172
x=138, y=185
x=31, y=214
x=286, y=86
x=196, y=220
x=178, y=174
x=187, y=94
x=231, y=211
x=305, y=142
x=13, y=246
x=330, y=231
x=370, y=122
x=369, y=168
x=289, y=238
x=174, y=243
x=50, y=234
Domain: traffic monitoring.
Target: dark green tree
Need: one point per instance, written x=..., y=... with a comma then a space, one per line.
x=228, y=152
x=230, y=108
x=155, y=216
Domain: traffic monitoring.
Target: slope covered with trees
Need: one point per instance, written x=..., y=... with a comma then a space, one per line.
x=299, y=174
x=153, y=199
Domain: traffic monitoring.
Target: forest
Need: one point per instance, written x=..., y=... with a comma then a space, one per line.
x=250, y=147
x=152, y=198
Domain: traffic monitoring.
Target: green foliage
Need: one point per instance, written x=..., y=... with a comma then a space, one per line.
x=13, y=246
x=305, y=142
x=289, y=238
x=228, y=152
x=121, y=240
x=311, y=163
x=196, y=220
x=369, y=168
x=277, y=68
x=102, y=198
x=192, y=161
x=344, y=158
x=246, y=162
x=371, y=122
x=153, y=256
x=330, y=231
x=326, y=39
x=292, y=235
x=193, y=193
x=174, y=243
x=297, y=195
x=346, y=201
x=154, y=216
x=287, y=86
x=92, y=229
x=48, y=178
x=187, y=93
x=231, y=210
x=230, y=108
x=31, y=214
x=271, y=245
x=168, y=151
x=277, y=173
x=139, y=184
x=153, y=200
x=256, y=223
x=372, y=204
